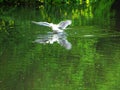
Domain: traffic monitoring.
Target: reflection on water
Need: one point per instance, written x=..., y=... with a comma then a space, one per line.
x=52, y=37
x=92, y=63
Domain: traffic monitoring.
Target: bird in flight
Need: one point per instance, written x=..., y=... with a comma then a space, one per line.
x=55, y=27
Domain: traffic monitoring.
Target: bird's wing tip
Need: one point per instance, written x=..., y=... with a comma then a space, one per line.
x=70, y=21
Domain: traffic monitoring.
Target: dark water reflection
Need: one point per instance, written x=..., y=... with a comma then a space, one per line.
x=91, y=63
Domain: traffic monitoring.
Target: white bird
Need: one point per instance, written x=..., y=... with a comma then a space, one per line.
x=55, y=27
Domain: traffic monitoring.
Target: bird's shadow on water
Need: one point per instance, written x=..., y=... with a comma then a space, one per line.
x=51, y=37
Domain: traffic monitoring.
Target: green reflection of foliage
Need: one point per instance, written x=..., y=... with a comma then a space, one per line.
x=102, y=12
x=25, y=65
x=107, y=66
x=7, y=30
x=85, y=13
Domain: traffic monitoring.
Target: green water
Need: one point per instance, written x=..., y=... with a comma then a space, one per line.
x=92, y=62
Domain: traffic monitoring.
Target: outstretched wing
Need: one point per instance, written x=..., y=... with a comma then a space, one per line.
x=42, y=23
x=64, y=24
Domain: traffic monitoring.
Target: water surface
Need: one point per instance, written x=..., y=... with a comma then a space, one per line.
x=91, y=63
